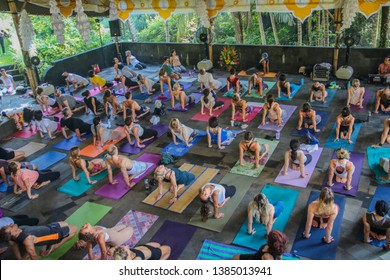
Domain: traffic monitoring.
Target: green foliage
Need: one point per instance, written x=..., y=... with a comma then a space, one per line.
x=155, y=32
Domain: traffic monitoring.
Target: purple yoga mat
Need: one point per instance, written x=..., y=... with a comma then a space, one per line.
x=366, y=98
x=132, y=149
x=175, y=235
x=196, y=96
x=167, y=93
x=120, y=189
x=270, y=126
x=293, y=177
x=357, y=159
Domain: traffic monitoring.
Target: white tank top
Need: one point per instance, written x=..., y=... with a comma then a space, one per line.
x=341, y=168
x=221, y=193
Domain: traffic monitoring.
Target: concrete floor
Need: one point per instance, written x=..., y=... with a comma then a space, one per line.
x=54, y=205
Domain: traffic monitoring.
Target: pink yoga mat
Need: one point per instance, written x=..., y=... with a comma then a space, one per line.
x=270, y=126
x=293, y=177
x=366, y=98
x=120, y=189
x=217, y=113
x=249, y=117
x=25, y=133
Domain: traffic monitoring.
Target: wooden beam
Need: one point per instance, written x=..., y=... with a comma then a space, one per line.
x=338, y=22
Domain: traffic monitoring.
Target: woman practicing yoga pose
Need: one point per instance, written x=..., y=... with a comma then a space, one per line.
x=184, y=133
x=148, y=251
x=103, y=135
x=356, y=94
x=209, y=100
x=264, y=211
x=382, y=100
x=252, y=149
x=233, y=81
x=140, y=133
x=385, y=137
x=322, y=213
x=296, y=159
x=206, y=80
x=174, y=60
x=110, y=99
x=241, y=106
x=218, y=135
x=257, y=84
x=262, y=66
x=342, y=168
x=178, y=94
x=318, y=92
x=11, y=155
x=149, y=84
x=345, y=125
x=218, y=195
x=308, y=118
x=275, y=113
x=283, y=86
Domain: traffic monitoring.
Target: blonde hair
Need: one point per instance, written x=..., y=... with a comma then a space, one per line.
x=74, y=153
x=253, y=79
x=342, y=153
x=326, y=202
x=174, y=124
x=120, y=254
x=112, y=150
x=176, y=86
x=158, y=173
x=261, y=208
x=355, y=83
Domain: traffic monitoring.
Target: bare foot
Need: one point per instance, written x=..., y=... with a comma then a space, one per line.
x=172, y=200
x=47, y=251
x=38, y=186
x=323, y=225
x=158, y=197
x=131, y=185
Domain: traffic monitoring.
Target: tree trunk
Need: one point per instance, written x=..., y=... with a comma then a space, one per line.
x=132, y=29
x=261, y=28
x=338, y=22
x=326, y=27
x=374, y=34
x=274, y=30
x=318, y=28
x=166, y=31
x=384, y=28
x=299, y=31
x=238, y=27
x=309, y=30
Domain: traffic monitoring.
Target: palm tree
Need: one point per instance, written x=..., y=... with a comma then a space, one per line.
x=318, y=28
x=166, y=31
x=325, y=23
x=132, y=29
x=309, y=30
x=261, y=28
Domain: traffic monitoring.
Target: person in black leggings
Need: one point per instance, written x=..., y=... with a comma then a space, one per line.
x=148, y=251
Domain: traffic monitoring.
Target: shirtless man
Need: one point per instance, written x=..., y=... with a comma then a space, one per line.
x=251, y=148
x=129, y=168
x=130, y=106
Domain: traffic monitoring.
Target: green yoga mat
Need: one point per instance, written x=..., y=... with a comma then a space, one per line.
x=88, y=213
x=273, y=193
x=242, y=185
x=74, y=188
x=374, y=156
x=253, y=93
x=248, y=169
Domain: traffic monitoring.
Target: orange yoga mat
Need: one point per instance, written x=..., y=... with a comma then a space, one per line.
x=93, y=151
x=261, y=74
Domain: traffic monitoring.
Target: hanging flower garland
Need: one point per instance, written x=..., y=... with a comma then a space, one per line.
x=26, y=31
x=350, y=9
x=113, y=13
x=82, y=22
x=201, y=12
x=57, y=24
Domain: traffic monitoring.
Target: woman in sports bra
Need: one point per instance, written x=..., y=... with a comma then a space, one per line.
x=104, y=237
x=90, y=167
x=274, y=249
x=109, y=99
x=240, y=105
x=252, y=149
x=178, y=94
x=102, y=135
x=148, y=251
x=344, y=125
x=318, y=93
x=218, y=135
x=308, y=118
x=382, y=100
x=257, y=84
x=377, y=224
x=209, y=100
x=184, y=133
x=342, y=168
x=233, y=81
x=275, y=113
x=356, y=94
x=140, y=133
x=322, y=213
x=296, y=159
x=283, y=86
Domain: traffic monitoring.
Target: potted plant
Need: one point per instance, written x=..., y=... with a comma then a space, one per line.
x=229, y=58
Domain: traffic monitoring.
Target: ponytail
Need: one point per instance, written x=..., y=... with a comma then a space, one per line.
x=204, y=211
x=294, y=146
x=96, y=122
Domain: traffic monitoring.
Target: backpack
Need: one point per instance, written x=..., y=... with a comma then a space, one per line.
x=159, y=108
x=166, y=159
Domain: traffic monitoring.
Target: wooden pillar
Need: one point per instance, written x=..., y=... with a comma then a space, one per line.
x=338, y=22
x=210, y=42
x=26, y=57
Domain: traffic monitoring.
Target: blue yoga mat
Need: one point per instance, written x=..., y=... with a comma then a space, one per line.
x=329, y=98
x=67, y=144
x=342, y=143
x=4, y=187
x=324, y=118
x=255, y=241
x=74, y=188
x=294, y=90
x=374, y=156
x=141, y=96
x=48, y=159
x=181, y=149
x=314, y=247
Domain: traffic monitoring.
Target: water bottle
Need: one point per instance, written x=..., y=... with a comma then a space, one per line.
x=277, y=135
x=146, y=184
x=368, y=116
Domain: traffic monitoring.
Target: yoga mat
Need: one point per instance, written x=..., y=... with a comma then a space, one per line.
x=133, y=149
x=324, y=118
x=270, y=126
x=25, y=133
x=185, y=195
x=205, y=118
x=248, y=169
x=374, y=156
x=140, y=222
x=120, y=189
x=256, y=109
x=90, y=213
x=329, y=98
x=342, y=143
x=242, y=184
x=48, y=159
x=93, y=151
x=217, y=251
x=167, y=93
x=293, y=177
x=268, y=75
x=197, y=97
x=294, y=88
x=4, y=187
x=32, y=148
x=358, y=160
x=366, y=99
x=67, y=144
x=142, y=96
x=181, y=149
x=231, y=92
x=314, y=247
x=253, y=93
x=175, y=235
x=273, y=193
x=74, y=188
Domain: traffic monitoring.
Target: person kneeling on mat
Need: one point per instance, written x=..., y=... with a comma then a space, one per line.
x=345, y=125
x=264, y=211
x=252, y=149
x=384, y=163
x=322, y=213
x=308, y=118
x=140, y=133
x=218, y=195
x=297, y=159
x=342, y=168
x=149, y=251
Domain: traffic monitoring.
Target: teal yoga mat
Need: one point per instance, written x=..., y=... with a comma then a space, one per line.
x=342, y=143
x=74, y=188
x=253, y=93
x=274, y=193
x=331, y=94
x=294, y=90
x=374, y=156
